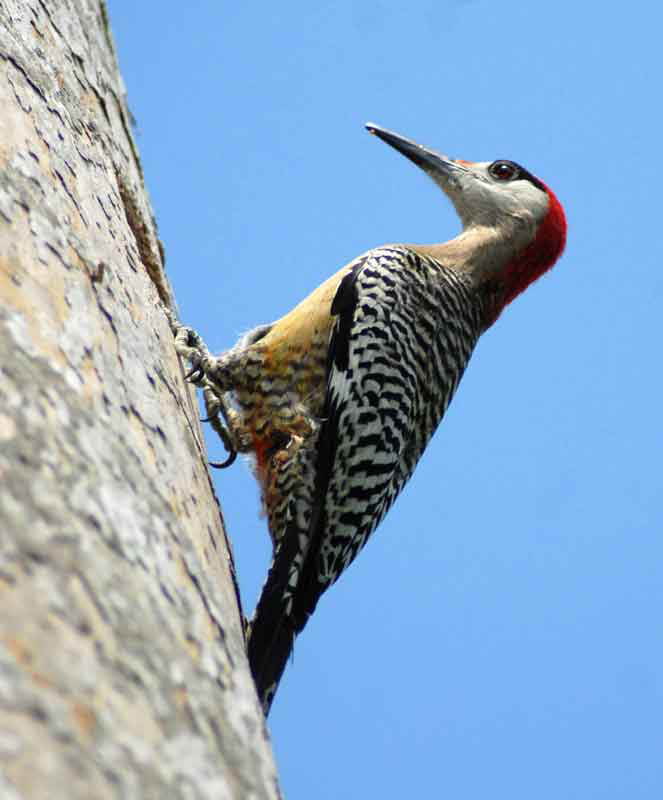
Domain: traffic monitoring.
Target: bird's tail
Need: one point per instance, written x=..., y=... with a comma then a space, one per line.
x=273, y=628
x=291, y=590
x=271, y=639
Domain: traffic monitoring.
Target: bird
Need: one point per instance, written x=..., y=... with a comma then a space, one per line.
x=336, y=401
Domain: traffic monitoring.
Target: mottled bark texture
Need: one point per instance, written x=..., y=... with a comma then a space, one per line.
x=122, y=664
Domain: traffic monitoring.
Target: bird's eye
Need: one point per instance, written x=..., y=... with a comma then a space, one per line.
x=502, y=170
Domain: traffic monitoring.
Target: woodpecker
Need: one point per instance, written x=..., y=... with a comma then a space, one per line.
x=337, y=400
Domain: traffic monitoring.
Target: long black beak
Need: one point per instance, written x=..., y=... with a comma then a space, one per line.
x=435, y=164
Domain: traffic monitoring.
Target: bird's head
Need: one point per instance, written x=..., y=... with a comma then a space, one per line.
x=514, y=227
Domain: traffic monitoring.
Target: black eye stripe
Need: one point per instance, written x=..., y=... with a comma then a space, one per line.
x=520, y=173
x=527, y=176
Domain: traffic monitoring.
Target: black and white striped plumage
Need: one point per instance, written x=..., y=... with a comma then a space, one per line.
x=337, y=400
x=405, y=327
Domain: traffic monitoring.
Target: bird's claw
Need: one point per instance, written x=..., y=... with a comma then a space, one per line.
x=218, y=417
x=190, y=347
x=195, y=375
x=224, y=464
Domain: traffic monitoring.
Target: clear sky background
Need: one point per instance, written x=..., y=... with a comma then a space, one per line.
x=501, y=635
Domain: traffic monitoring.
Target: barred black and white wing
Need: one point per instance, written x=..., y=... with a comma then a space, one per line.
x=405, y=328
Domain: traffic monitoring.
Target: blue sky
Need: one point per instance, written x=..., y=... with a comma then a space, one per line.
x=501, y=635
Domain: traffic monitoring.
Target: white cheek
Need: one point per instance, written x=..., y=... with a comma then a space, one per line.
x=476, y=203
x=483, y=201
x=526, y=195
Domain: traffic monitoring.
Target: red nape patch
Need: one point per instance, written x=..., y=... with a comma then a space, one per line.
x=541, y=254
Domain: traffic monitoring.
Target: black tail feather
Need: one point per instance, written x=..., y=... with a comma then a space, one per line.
x=271, y=640
x=283, y=610
x=272, y=630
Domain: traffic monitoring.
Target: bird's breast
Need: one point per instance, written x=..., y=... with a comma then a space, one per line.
x=283, y=390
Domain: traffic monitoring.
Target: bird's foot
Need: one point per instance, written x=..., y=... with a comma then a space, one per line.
x=220, y=418
x=206, y=371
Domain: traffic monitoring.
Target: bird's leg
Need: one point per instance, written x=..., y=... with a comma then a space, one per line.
x=206, y=369
x=213, y=376
x=216, y=408
x=227, y=424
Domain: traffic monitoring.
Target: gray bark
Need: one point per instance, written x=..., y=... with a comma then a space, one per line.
x=122, y=664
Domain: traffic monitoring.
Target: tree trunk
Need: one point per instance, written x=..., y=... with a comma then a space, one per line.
x=122, y=664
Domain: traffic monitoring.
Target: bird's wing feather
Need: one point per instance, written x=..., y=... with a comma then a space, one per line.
x=369, y=419
x=402, y=336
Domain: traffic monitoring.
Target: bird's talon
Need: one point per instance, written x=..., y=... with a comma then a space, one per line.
x=225, y=464
x=195, y=375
